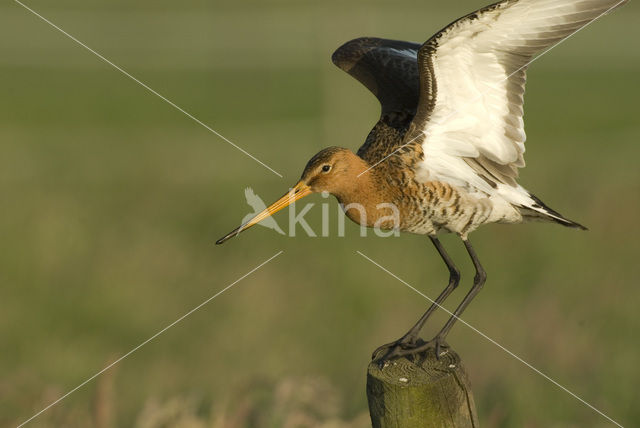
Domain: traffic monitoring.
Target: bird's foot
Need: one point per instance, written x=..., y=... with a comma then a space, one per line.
x=391, y=348
x=404, y=348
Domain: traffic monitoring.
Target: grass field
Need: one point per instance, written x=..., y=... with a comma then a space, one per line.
x=112, y=199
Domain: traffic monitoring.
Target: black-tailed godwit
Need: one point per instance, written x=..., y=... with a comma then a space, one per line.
x=450, y=140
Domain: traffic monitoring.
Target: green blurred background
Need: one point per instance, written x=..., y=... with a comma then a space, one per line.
x=112, y=199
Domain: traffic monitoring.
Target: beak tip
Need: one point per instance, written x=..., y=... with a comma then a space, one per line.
x=223, y=239
x=229, y=236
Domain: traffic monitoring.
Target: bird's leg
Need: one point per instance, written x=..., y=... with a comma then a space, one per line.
x=478, y=282
x=438, y=341
x=411, y=338
x=454, y=279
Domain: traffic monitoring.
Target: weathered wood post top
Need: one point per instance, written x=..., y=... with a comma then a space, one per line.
x=429, y=392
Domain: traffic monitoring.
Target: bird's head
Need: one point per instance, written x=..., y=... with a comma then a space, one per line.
x=334, y=170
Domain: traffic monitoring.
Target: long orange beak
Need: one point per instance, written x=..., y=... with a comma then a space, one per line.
x=299, y=191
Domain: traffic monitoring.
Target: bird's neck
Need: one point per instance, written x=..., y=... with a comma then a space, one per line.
x=368, y=199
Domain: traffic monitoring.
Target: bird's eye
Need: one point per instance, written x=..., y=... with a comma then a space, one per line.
x=326, y=168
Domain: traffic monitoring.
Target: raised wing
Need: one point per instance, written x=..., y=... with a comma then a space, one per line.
x=469, y=117
x=388, y=68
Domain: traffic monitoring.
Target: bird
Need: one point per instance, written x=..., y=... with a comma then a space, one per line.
x=449, y=142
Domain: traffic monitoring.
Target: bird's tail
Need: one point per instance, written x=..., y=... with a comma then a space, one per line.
x=540, y=211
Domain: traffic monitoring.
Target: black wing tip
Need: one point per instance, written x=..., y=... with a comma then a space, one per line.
x=352, y=51
x=572, y=224
x=555, y=215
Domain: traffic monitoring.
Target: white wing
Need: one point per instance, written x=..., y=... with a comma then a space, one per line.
x=472, y=73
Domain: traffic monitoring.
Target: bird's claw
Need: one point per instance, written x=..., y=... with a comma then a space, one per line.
x=390, y=351
x=389, y=348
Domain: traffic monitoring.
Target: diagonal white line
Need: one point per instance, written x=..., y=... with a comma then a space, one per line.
x=455, y=111
x=150, y=339
x=493, y=341
x=171, y=103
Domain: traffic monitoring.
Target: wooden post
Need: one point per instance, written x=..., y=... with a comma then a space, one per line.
x=421, y=394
